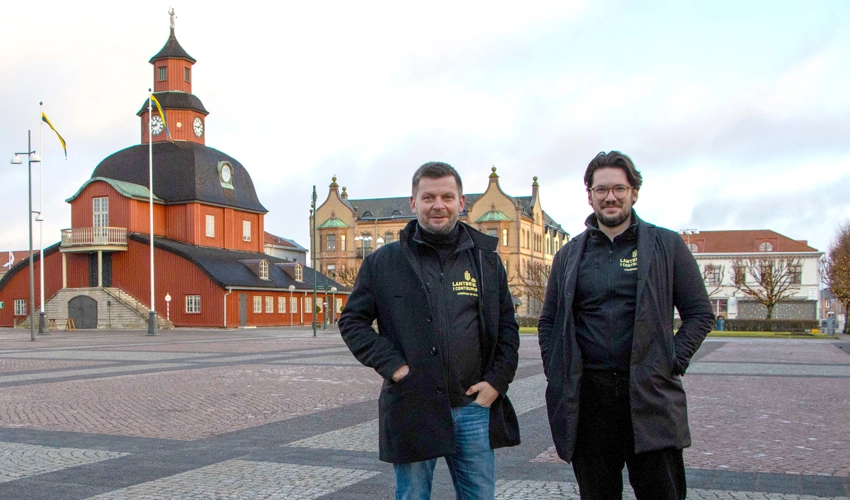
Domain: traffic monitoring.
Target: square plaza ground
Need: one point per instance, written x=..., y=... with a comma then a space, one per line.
x=280, y=414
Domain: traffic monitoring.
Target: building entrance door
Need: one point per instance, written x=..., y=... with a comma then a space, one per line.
x=83, y=310
x=243, y=309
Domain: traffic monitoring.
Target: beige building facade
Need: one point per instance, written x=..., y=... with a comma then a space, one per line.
x=350, y=229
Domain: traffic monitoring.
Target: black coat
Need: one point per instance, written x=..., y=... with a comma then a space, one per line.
x=668, y=276
x=415, y=413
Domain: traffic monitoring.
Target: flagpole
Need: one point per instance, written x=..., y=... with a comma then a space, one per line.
x=152, y=315
x=40, y=219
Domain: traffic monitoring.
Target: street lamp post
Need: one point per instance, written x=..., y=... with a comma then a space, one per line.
x=16, y=160
x=291, y=289
x=333, y=305
x=167, y=306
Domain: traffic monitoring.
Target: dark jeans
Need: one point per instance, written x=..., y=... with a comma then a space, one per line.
x=606, y=442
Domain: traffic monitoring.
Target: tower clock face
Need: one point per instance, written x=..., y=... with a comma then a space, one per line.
x=198, y=126
x=156, y=125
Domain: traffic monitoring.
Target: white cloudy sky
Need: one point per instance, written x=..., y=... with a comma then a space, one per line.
x=735, y=112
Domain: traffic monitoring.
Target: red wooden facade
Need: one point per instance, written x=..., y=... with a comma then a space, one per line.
x=182, y=229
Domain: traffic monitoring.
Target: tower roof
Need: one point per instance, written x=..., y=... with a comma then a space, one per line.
x=172, y=50
x=176, y=100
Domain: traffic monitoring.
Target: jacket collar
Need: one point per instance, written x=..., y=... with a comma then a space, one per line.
x=479, y=239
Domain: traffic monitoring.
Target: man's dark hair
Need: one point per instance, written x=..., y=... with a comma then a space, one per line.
x=614, y=159
x=436, y=170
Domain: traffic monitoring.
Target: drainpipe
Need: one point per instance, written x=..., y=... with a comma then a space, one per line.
x=229, y=291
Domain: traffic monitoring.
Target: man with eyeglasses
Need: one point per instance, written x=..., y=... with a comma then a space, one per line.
x=611, y=357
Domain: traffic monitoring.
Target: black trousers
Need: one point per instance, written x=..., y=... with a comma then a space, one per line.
x=605, y=443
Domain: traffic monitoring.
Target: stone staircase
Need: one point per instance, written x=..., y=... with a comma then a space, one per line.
x=116, y=309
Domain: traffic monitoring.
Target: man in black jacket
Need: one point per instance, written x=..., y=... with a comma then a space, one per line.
x=613, y=362
x=447, y=343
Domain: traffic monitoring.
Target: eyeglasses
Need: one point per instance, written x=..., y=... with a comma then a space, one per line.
x=601, y=192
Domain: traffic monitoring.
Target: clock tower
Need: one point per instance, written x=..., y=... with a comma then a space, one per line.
x=185, y=115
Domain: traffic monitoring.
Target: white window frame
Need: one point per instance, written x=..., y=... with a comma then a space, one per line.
x=246, y=230
x=193, y=304
x=100, y=211
x=264, y=269
x=210, y=226
x=331, y=270
x=269, y=304
x=299, y=272
x=342, y=246
x=20, y=307
x=258, y=304
x=293, y=305
x=308, y=305
x=281, y=305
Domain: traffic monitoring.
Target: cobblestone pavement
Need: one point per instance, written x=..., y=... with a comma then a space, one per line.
x=280, y=414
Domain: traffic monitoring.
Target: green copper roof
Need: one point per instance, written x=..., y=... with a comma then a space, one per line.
x=127, y=189
x=333, y=222
x=493, y=216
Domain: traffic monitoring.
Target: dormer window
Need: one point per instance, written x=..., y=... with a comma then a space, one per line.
x=765, y=246
x=264, y=269
x=163, y=73
x=299, y=272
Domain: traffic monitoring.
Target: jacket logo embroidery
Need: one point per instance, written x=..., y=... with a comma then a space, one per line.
x=468, y=286
x=629, y=265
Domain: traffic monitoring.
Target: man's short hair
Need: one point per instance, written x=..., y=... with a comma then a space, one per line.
x=436, y=170
x=614, y=159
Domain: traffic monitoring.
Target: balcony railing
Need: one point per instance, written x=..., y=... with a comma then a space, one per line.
x=94, y=236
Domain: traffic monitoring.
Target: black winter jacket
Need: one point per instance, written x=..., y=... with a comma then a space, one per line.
x=668, y=277
x=415, y=419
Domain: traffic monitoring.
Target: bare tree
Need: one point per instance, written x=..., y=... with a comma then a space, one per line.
x=837, y=272
x=533, y=281
x=712, y=276
x=768, y=280
x=346, y=276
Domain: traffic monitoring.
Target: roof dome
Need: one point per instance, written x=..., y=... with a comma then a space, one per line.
x=183, y=172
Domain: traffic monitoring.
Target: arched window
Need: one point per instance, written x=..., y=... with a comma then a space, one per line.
x=264, y=269
x=765, y=246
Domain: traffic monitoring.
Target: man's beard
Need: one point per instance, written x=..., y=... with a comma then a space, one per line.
x=615, y=220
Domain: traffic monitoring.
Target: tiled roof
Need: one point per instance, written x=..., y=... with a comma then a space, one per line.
x=745, y=241
x=270, y=239
x=183, y=172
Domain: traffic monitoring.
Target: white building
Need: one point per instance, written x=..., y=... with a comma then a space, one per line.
x=715, y=252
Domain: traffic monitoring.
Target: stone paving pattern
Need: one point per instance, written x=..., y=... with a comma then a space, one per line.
x=280, y=414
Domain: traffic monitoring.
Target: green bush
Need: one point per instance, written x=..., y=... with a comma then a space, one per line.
x=763, y=325
x=771, y=325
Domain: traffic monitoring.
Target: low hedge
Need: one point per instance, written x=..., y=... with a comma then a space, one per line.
x=527, y=321
x=764, y=325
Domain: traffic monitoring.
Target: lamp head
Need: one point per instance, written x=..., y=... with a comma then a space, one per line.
x=16, y=160
x=34, y=158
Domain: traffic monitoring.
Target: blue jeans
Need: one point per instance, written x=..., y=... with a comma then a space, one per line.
x=472, y=465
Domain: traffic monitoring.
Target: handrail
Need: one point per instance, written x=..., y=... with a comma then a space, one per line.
x=94, y=236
